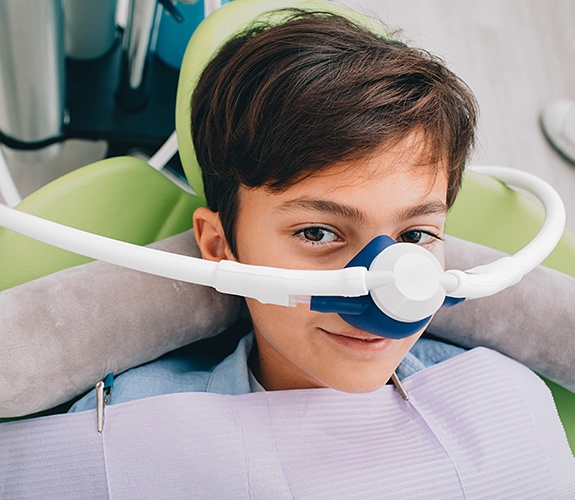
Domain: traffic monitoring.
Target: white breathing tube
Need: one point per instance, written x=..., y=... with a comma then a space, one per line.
x=266, y=284
x=287, y=286
x=483, y=281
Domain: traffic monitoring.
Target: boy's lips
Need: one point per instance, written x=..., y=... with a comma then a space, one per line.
x=359, y=340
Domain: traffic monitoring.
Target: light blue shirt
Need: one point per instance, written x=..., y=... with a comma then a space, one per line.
x=177, y=372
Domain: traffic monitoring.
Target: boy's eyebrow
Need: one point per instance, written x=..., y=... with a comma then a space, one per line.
x=324, y=207
x=427, y=208
x=355, y=215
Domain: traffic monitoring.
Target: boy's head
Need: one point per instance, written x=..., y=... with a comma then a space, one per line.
x=313, y=137
x=278, y=104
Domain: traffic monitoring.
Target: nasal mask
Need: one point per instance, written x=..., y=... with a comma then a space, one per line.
x=389, y=289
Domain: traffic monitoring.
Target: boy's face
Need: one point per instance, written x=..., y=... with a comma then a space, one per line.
x=322, y=223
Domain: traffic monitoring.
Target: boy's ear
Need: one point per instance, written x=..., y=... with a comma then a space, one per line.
x=210, y=236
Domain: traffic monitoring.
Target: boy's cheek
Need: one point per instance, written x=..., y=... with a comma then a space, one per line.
x=438, y=252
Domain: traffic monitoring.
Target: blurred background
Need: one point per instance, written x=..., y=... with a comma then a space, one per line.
x=516, y=55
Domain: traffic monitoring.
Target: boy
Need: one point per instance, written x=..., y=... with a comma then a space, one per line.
x=314, y=137
x=318, y=137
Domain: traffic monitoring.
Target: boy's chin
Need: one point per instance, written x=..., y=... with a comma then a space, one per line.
x=360, y=386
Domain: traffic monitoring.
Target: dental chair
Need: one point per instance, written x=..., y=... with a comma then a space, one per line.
x=124, y=198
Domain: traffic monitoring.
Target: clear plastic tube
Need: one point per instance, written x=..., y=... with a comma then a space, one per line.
x=8, y=188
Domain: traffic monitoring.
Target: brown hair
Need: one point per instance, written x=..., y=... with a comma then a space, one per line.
x=278, y=103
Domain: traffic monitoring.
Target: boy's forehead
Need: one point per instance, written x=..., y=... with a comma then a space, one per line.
x=400, y=176
x=354, y=188
x=406, y=160
x=416, y=153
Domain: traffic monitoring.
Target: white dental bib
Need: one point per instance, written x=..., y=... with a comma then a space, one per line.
x=476, y=426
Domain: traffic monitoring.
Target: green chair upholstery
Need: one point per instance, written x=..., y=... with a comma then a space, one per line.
x=122, y=198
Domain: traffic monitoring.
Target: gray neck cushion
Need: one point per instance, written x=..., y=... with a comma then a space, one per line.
x=62, y=333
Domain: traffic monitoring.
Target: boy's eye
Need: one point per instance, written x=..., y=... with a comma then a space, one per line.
x=417, y=237
x=316, y=235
